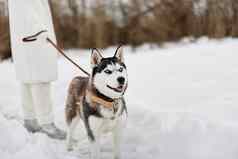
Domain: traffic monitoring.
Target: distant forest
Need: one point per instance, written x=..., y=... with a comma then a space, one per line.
x=104, y=23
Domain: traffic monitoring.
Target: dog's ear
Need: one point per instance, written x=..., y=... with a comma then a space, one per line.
x=96, y=57
x=119, y=54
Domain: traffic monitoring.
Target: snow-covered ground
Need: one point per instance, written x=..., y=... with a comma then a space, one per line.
x=182, y=102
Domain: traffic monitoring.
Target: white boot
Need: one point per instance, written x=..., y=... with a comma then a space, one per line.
x=30, y=121
x=41, y=94
x=43, y=104
x=32, y=125
x=52, y=131
x=37, y=102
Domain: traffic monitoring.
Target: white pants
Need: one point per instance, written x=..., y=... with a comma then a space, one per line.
x=37, y=102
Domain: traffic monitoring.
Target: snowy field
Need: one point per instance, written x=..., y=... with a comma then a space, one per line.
x=182, y=101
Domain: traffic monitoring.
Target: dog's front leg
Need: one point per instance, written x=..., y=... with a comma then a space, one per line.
x=116, y=143
x=93, y=127
x=70, y=133
x=95, y=149
x=117, y=136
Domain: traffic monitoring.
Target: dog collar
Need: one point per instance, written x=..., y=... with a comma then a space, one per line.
x=95, y=100
x=102, y=102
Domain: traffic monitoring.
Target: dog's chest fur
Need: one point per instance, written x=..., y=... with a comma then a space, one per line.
x=102, y=125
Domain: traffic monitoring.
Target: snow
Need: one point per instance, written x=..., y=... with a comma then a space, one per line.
x=182, y=101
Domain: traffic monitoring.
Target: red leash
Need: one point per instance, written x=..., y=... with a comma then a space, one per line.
x=34, y=38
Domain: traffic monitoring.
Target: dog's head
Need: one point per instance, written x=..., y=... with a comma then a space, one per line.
x=109, y=75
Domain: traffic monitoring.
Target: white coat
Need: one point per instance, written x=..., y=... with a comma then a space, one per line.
x=35, y=62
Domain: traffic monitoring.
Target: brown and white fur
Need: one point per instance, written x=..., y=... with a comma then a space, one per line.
x=97, y=101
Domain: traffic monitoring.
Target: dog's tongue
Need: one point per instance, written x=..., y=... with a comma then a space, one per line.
x=120, y=87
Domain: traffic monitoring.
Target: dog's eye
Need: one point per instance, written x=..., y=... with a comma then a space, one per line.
x=108, y=71
x=121, y=69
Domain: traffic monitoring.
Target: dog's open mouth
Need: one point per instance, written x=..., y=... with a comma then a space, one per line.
x=119, y=89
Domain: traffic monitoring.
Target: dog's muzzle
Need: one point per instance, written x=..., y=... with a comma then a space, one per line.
x=119, y=89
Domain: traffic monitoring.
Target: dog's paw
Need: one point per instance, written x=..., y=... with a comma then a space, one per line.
x=70, y=144
x=70, y=148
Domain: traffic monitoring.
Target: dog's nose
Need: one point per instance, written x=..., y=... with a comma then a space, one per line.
x=121, y=80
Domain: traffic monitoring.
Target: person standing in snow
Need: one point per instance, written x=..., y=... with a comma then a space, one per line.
x=35, y=63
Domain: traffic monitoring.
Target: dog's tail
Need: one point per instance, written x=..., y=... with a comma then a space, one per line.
x=76, y=90
x=71, y=107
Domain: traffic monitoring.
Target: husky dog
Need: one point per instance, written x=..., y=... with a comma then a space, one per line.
x=97, y=101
